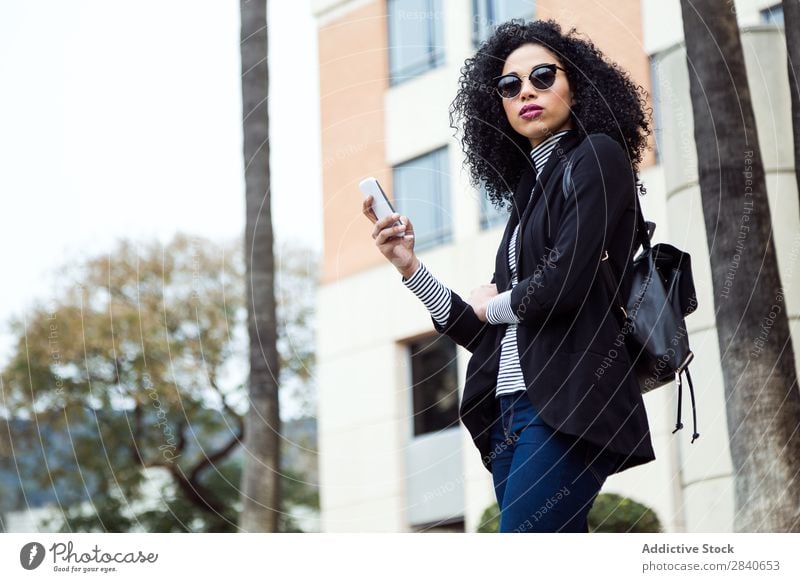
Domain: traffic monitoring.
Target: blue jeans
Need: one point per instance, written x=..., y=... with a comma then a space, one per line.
x=545, y=481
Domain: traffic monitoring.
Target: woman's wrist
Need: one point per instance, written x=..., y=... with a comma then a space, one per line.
x=411, y=269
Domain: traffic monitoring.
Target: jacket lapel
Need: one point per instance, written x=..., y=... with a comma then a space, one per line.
x=527, y=193
x=518, y=203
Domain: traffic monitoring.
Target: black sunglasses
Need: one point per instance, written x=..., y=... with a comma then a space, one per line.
x=542, y=78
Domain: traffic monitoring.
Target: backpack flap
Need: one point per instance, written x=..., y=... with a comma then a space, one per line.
x=668, y=259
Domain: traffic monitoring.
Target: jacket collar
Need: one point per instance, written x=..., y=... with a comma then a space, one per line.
x=528, y=190
x=530, y=185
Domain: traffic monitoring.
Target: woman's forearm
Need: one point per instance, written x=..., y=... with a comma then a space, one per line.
x=433, y=294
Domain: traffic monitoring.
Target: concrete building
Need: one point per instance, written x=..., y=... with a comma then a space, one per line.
x=392, y=455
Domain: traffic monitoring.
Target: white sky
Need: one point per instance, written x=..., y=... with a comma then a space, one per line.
x=124, y=119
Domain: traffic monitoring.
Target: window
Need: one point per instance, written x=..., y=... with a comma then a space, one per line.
x=416, y=37
x=422, y=193
x=773, y=15
x=656, y=99
x=487, y=14
x=490, y=215
x=434, y=378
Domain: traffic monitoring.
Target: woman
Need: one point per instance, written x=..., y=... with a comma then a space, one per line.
x=556, y=133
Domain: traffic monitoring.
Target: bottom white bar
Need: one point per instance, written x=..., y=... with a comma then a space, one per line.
x=399, y=556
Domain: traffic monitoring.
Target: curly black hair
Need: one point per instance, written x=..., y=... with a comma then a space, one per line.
x=605, y=100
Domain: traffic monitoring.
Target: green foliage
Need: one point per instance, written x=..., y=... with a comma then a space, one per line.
x=296, y=272
x=490, y=519
x=124, y=391
x=610, y=513
x=615, y=513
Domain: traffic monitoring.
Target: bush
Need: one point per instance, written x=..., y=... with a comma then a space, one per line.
x=490, y=520
x=615, y=513
x=611, y=513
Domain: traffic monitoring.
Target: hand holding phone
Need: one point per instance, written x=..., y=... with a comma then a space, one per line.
x=380, y=202
x=394, y=239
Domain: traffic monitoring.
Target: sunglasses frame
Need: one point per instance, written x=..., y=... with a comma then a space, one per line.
x=551, y=66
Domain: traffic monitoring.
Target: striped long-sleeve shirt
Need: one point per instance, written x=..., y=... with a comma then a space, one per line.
x=436, y=297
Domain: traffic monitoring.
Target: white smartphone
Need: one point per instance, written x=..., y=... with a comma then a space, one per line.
x=380, y=203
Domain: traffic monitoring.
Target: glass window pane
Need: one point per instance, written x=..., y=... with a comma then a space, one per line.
x=487, y=14
x=421, y=191
x=416, y=37
x=656, y=99
x=507, y=9
x=772, y=15
x=434, y=377
x=491, y=216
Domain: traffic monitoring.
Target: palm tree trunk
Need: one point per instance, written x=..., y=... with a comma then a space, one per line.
x=791, y=19
x=763, y=402
x=260, y=477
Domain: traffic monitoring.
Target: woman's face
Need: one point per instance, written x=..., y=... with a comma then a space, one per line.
x=555, y=102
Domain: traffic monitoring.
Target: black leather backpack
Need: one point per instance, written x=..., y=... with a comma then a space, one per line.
x=652, y=316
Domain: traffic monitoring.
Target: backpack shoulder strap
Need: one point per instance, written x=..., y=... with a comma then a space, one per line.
x=644, y=229
x=612, y=287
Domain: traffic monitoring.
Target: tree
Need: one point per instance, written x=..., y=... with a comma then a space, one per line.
x=296, y=283
x=117, y=381
x=260, y=483
x=791, y=17
x=125, y=395
x=763, y=402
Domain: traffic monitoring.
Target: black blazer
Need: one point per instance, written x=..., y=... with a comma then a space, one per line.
x=575, y=367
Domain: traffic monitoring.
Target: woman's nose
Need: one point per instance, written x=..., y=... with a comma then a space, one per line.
x=527, y=88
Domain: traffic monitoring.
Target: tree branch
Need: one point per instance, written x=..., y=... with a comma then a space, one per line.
x=216, y=456
x=239, y=419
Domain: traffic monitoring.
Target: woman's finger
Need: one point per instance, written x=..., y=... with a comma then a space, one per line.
x=366, y=209
x=383, y=223
x=386, y=233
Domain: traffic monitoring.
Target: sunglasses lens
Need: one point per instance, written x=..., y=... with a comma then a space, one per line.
x=543, y=77
x=509, y=86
